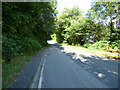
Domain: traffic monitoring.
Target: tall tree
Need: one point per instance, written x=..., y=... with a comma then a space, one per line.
x=102, y=11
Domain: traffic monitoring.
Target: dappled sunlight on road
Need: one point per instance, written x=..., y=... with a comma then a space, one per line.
x=111, y=71
x=106, y=70
x=99, y=74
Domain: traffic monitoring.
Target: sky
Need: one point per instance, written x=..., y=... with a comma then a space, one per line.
x=84, y=5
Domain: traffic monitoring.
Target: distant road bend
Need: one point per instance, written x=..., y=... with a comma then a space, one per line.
x=65, y=67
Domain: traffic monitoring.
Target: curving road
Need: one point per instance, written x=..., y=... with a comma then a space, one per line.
x=65, y=67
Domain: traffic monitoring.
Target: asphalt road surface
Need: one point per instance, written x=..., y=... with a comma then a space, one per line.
x=65, y=67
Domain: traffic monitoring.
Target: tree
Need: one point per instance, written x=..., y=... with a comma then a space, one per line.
x=26, y=26
x=64, y=21
x=73, y=27
x=101, y=11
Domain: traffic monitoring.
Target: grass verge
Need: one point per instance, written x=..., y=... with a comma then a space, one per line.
x=11, y=70
x=102, y=53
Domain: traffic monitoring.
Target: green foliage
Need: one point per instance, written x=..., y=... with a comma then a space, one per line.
x=31, y=45
x=116, y=43
x=100, y=45
x=87, y=45
x=100, y=12
x=90, y=30
x=26, y=27
x=75, y=28
x=12, y=69
x=53, y=36
x=104, y=45
x=64, y=22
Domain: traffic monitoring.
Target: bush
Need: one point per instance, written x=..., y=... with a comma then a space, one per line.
x=12, y=47
x=104, y=45
x=116, y=43
x=31, y=45
x=87, y=45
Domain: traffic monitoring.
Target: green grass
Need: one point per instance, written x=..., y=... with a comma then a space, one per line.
x=11, y=70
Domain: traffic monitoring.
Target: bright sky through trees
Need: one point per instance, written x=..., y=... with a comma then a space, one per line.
x=84, y=5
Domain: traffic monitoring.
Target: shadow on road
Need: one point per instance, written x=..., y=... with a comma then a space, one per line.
x=103, y=69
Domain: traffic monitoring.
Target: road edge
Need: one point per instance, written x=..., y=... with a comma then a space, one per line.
x=38, y=74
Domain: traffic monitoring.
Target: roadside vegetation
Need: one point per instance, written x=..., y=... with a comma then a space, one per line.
x=95, y=30
x=99, y=52
x=26, y=27
x=11, y=70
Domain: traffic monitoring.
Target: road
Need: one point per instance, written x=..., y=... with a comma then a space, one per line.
x=65, y=67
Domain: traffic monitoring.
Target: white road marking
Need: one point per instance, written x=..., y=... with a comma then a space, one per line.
x=40, y=80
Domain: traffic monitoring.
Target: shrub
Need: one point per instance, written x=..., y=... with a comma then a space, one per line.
x=87, y=45
x=31, y=45
x=104, y=45
x=12, y=47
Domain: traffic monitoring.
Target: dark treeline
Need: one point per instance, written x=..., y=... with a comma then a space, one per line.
x=95, y=29
x=26, y=27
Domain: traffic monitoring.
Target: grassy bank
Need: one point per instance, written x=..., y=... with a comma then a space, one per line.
x=102, y=53
x=11, y=70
